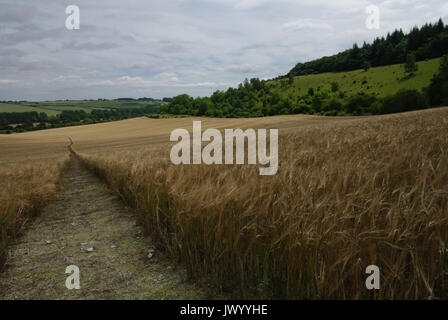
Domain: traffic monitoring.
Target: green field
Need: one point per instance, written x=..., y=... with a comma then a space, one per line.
x=94, y=104
x=13, y=107
x=380, y=81
x=55, y=107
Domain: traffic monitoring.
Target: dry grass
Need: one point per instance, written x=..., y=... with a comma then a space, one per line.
x=24, y=191
x=349, y=193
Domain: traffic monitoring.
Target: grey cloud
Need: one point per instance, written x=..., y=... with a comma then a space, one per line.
x=172, y=48
x=18, y=14
x=128, y=37
x=11, y=52
x=243, y=69
x=89, y=46
x=255, y=46
x=19, y=37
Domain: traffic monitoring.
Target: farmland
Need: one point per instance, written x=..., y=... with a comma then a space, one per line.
x=15, y=107
x=55, y=107
x=350, y=192
x=255, y=154
x=27, y=116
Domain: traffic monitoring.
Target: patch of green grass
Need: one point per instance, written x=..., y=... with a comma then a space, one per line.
x=95, y=104
x=58, y=108
x=380, y=81
x=12, y=107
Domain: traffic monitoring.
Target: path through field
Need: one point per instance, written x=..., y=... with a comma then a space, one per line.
x=86, y=215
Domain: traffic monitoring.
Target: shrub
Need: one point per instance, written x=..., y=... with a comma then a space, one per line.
x=404, y=100
x=334, y=86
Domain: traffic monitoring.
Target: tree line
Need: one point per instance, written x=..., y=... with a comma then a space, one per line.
x=25, y=121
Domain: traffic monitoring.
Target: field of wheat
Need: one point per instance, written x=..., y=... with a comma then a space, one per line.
x=24, y=190
x=31, y=163
x=348, y=194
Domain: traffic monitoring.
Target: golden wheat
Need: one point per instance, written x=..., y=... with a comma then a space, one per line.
x=348, y=194
x=24, y=191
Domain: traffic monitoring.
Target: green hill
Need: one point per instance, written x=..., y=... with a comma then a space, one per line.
x=379, y=81
x=380, y=90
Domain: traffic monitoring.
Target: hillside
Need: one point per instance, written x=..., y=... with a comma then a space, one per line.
x=380, y=90
x=379, y=81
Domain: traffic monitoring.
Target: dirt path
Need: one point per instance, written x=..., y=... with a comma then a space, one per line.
x=86, y=215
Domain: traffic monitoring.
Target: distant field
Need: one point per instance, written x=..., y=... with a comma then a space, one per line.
x=10, y=107
x=134, y=133
x=381, y=81
x=96, y=104
x=55, y=107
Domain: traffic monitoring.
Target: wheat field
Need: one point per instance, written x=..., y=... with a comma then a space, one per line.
x=350, y=192
x=25, y=189
x=31, y=163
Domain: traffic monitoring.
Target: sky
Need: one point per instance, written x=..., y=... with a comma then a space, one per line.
x=152, y=48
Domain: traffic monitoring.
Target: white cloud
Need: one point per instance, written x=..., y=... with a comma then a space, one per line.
x=167, y=76
x=394, y=3
x=8, y=81
x=138, y=82
x=444, y=10
x=245, y=68
x=249, y=4
x=202, y=84
x=309, y=24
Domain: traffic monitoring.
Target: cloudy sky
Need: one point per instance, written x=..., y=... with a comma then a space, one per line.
x=158, y=48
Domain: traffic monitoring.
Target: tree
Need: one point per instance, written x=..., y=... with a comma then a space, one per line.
x=181, y=103
x=404, y=100
x=410, y=65
x=440, y=27
x=334, y=86
x=438, y=89
x=443, y=68
x=291, y=80
x=366, y=66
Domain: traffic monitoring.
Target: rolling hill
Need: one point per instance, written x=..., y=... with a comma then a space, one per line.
x=379, y=81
